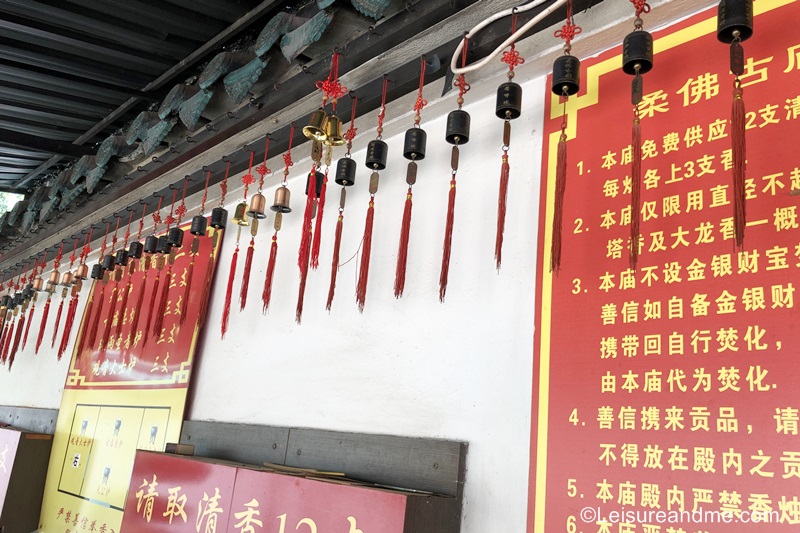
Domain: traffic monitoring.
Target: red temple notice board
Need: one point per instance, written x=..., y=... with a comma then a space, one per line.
x=126, y=388
x=666, y=397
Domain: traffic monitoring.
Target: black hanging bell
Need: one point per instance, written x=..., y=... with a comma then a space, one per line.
x=345, y=172
x=567, y=75
x=122, y=257
x=97, y=271
x=457, y=127
x=135, y=250
x=219, y=217
x=199, y=226
x=509, y=101
x=151, y=244
x=175, y=237
x=377, y=151
x=734, y=19
x=108, y=262
x=415, y=142
x=163, y=245
x=637, y=53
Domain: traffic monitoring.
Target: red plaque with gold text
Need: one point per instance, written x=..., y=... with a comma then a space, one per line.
x=665, y=397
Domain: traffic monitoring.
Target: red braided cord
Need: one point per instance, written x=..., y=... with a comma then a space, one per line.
x=141, y=222
x=331, y=87
x=157, y=214
x=248, y=179
x=224, y=185
x=287, y=157
x=182, y=208
x=641, y=6
x=569, y=30
x=205, y=193
x=350, y=134
x=105, y=239
x=382, y=114
x=263, y=169
x=171, y=219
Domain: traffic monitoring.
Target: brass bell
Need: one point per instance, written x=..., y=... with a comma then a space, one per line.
x=258, y=206
x=240, y=216
x=333, y=132
x=67, y=278
x=54, y=277
x=38, y=284
x=282, y=198
x=82, y=272
x=317, y=126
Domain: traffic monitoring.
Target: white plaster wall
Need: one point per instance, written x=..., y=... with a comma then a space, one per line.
x=411, y=366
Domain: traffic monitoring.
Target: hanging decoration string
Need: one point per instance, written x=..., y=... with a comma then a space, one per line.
x=414, y=150
x=457, y=133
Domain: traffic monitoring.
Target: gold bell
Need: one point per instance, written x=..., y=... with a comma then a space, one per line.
x=54, y=277
x=333, y=131
x=67, y=278
x=282, y=198
x=82, y=272
x=240, y=214
x=38, y=284
x=258, y=206
x=317, y=126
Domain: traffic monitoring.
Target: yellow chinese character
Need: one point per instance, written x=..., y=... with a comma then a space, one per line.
x=675, y=380
x=750, y=71
x=753, y=298
x=716, y=130
x=608, y=348
x=768, y=114
x=630, y=345
x=674, y=418
x=703, y=462
x=609, y=160
x=671, y=142
x=608, y=314
x=785, y=218
x=629, y=455
x=787, y=420
x=611, y=188
x=175, y=504
x=792, y=108
x=728, y=378
x=630, y=312
x=677, y=458
x=208, y=511
x=704, y=86
x=147, y=498
x=653, y=103
x=693, y=135
x=248, y=518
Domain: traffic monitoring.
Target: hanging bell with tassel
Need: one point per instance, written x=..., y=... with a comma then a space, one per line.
x=150, y=244
x=199, y=226
x=219, y=217
x=97, y=271
x=67, y=279
x=637, y=53
x=163, y=245
x=734, y=20
x=240, y=214
x=55, y=276
x=281, y=204
x=333, y=132
x=319, y=177
x=317, y=126
x=346, y=172
x=567, y=75
x=415, y=143
x=38, y=283
x=135, y=250
x=175, y=237
x=121, y=258
x=258, y=207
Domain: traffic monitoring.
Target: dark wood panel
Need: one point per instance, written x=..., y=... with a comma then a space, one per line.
x=236, y=442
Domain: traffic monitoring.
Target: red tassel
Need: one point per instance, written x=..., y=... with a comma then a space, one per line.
x=71, y=311
x=558, y=208
x=42, y=324
x=448, y=239
x=301, y=293
x=17, y=339
x=95, y=323
x=739, y=150
x=110, y=319
x=636, y=191
x=28, y=326
x=402, y=254
x=248, y=263
x=7, y=344
x=187, y=292
x=2, y=344
x=153, y=301
x=366, y=251
x=335, y=261
x=58, y=321
x=266, y=295
x=163, y=303
x=318, y=224
x=123, y=308
x=505, y=171
x=305, y=238
x=226, y=311
x=137, y=311
x=203, y=312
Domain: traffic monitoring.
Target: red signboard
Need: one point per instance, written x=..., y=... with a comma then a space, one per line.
x=665, y=397
x=178, y=494
x=265, y=501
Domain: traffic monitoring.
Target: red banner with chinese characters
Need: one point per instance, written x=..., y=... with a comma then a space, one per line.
x=187, y=494
x=665, y=397
x=127, y=383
